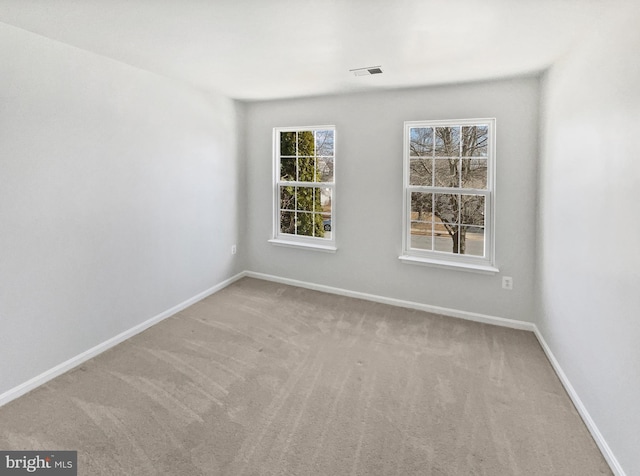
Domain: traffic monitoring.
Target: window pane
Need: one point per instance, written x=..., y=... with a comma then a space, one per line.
x=307, y=169
x=421, y=204
x=447, y=207
x=439, y=228
x=474, y=173
x=324, y=207
x=324, y=172
x=472, y=210
x=472, y=240
x=421, y=172
x=305, y=198
x=421, y=141
x=447, y=173
x=288, y=143
x=319, y=226
x=474, y=141
x=287, y=198
x=446, y=240
x=323, y=200
x=288, y=169
x=327, y=226
x=310, y=224
x=306, y=143
x=448, y=141
x=421, y=235
x=324, y=143
x=287, y=222
x=304, y=224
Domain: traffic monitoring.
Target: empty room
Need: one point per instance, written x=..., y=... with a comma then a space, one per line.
x=319, y=238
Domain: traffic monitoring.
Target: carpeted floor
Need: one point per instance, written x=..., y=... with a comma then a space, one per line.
x=263, y=378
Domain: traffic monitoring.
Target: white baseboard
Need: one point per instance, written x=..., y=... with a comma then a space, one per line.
x=44, y=377
x=470, y=316
x=31, y=384
x=582, y=410
x=499, y=321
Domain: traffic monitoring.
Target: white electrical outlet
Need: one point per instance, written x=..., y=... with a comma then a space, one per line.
x=507, y=282
x=233, y=249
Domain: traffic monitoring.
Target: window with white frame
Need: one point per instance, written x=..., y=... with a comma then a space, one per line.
x=304, y=186
x=449, y=193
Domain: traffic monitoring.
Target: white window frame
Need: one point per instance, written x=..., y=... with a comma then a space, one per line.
x=285, y=239
x=483, y=264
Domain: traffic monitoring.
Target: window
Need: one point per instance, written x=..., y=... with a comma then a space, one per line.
x=304, y=193
x=449, y=187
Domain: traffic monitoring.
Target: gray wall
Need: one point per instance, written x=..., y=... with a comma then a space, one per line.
x=589, y=229
x=118, y=199
x=369, y=194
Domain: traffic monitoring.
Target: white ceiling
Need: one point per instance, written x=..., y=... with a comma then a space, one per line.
x=266, y=49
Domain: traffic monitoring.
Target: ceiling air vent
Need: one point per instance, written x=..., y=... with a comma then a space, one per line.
x=367, y=71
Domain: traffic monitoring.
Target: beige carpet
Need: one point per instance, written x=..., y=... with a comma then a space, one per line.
x=263, y=378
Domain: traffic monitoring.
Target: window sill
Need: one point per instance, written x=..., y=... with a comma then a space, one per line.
x=309, y=246
x=474, y=268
